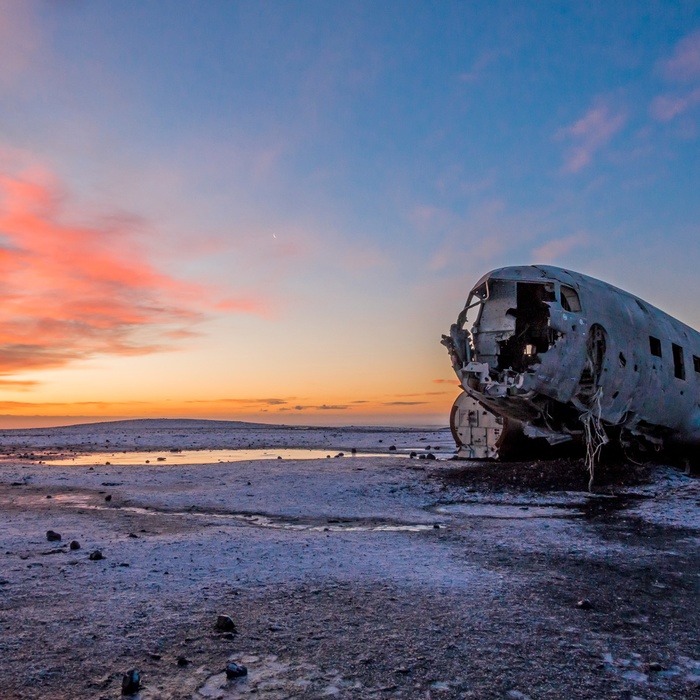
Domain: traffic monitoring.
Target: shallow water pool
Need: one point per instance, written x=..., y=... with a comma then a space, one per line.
x=166, y=457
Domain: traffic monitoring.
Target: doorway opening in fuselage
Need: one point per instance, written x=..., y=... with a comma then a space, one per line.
x=533, y=335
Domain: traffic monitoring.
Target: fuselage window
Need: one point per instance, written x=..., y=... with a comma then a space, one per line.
x=678, y=364
x=570, y=300
x=696, y=363
x=654, y=346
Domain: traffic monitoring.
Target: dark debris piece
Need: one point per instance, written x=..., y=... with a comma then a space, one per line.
x=74, y=544
x=225, y=624
x=96, y=555
x=131, y=682
x=236, y=671
x=584, y=604
x=52, y=536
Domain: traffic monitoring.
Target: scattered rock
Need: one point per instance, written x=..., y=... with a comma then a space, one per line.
x=131, y=682
x=182, y=661
x=584, y=604
x=108, y=497
x=155, y=657
x=228, y=635
x=225, y=624
x=96, y=555
x=430, y=455
x=353, y=451
x=412, y=455
x=655, y=667
x=49, y=496
x=52, y=536
x=236, y=670
x=392, y=448
x=74, y=544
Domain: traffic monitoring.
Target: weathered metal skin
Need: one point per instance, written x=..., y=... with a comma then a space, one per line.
x=549, y=346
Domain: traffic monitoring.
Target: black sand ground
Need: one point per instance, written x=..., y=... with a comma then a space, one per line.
x=340, y=584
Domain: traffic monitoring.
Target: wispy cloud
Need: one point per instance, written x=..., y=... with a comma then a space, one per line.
x=664, y=108
x=684, y=63
x=71, y=290
x=322, y=407
x=558, y=247
x=479, y=67
x=589, y=134
x=19, y=41
x=403, y=403
x=682, y=67
x=242, y=402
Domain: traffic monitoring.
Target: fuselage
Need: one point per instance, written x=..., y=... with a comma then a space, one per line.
x=543, y=346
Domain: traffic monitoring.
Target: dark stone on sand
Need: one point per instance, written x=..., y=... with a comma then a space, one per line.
x=430, y=455
x=228, y=635
x=108, y=497
x=52, y=536
x=584, y=604
x=74, y=544
x=421, y=456
x=353, y=450
x=133, y=536
x=182, y=661
x=236, y=670
x=392, y=448
x=412, y=455
x=655, y=667
x=131, y=682
x=49, y=496
x=225, y=624
x=96, y=555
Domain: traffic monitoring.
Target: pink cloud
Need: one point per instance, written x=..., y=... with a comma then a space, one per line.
x=19, y=41
x=684, y=64
x=589, y=134
x=555, y=249
x=71, y=291
x=664, y=108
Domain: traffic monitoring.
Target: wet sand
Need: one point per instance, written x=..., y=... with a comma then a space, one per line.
x=352, y=577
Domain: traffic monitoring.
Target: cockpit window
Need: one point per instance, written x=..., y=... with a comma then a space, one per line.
x=570, y=300
x=472, y=311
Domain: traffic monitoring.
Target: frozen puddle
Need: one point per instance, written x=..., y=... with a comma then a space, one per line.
x=201, y=456
x=256, y=519
x=509, y=511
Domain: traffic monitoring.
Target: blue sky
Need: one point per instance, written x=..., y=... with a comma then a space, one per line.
x=311, y=188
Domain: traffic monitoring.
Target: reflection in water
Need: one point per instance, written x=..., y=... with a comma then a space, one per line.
x=200, y=456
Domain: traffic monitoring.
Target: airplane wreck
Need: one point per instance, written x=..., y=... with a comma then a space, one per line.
x=546, y=356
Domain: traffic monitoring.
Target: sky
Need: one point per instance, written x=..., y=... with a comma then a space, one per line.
x=271, y=211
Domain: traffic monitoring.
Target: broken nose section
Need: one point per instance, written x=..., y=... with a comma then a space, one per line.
x=478, y=376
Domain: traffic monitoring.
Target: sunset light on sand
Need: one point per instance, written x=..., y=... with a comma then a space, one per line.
x=271, y=211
